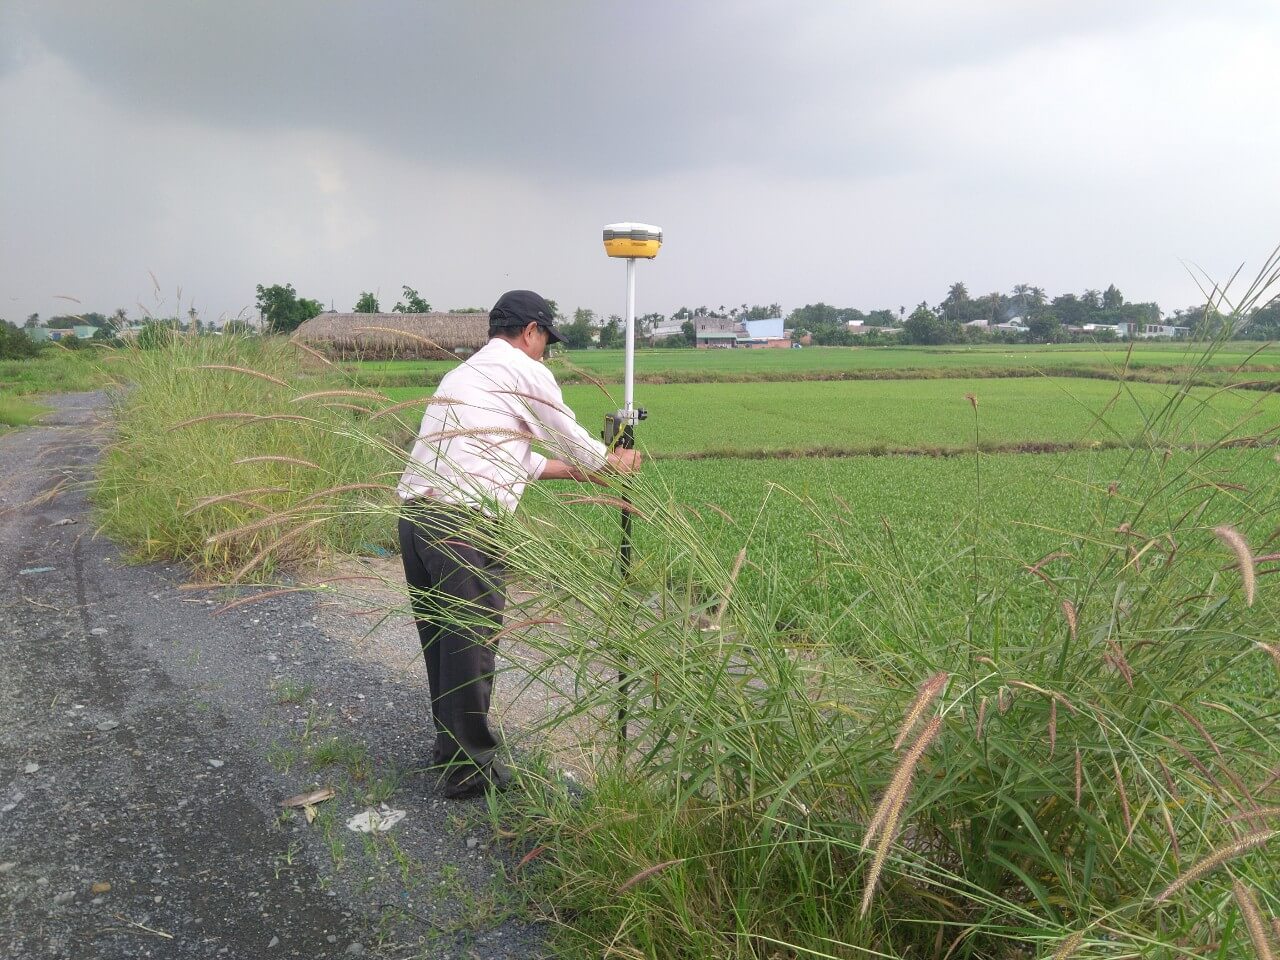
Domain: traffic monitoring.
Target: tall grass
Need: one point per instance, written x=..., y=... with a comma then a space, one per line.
x=1076, y=769
x=55, y=369
x=907, y=769
x=915, y=770
x=236, y=455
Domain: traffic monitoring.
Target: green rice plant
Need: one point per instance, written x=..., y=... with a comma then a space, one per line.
x=974, y=360
x=1151, y=361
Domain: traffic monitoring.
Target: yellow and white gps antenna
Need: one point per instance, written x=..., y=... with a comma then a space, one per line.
x=631, y=241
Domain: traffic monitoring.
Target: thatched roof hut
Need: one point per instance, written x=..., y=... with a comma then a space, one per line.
x=386, y=336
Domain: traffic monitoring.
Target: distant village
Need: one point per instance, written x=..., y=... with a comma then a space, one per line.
x=1024, y=315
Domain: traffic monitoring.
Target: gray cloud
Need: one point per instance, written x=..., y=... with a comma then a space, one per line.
x=579, y=89
x=873, y=153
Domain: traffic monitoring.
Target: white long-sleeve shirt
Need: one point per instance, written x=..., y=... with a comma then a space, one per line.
x=474, y=447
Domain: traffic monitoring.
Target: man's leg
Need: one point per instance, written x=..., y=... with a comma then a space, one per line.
x=466, y=659
x=465, y=610
x=419, y=581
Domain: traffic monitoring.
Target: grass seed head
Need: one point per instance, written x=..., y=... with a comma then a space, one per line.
x=926, y=693
x=244, y=370
x=1229, y=851
x=1004, y=700
x=900, y=782
x=1253, y=921
x=1173, y=834
x=1244, y=559
x=1069, y=946
x=648, y=872
x=1069, y=611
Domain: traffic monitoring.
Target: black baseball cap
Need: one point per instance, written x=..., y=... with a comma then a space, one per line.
x=519, y=308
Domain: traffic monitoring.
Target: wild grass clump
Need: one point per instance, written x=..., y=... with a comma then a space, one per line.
x=233, y=456
x=1090, y=768
x=55, y=369
x=897, y=777
x=18, y=412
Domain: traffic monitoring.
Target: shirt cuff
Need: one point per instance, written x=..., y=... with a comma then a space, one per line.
x=537, y=464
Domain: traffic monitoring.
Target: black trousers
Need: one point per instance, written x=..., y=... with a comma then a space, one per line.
x=457, y=594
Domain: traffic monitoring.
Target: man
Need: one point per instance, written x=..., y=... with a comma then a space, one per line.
x=470, y=464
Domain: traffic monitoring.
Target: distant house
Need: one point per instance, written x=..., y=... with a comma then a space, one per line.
x=1164, y=330
x=717, y=339
x=1013, y=326
x=1148, y=331
x=768, y=333
x=724, y=333
x=860, y=329
x=84, y=331
x=423, y=336
x=671, y=328
x=770, y=329
x=717, y=333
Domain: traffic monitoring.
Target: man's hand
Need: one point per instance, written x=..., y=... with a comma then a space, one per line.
x=624, y=461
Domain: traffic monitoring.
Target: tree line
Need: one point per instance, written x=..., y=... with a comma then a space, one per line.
x=1024, y=314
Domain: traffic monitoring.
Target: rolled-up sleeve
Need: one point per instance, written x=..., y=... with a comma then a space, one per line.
x=555, y=425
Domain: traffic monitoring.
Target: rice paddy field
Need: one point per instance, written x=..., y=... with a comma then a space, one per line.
x=608, y=363
x=1007, y=467
x=886, y=416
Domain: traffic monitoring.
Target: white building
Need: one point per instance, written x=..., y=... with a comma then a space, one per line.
x=1148, y=331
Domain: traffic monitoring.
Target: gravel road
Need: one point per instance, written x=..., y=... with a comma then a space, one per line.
x=145, y=746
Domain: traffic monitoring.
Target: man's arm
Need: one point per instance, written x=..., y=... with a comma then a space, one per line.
x=617, y=462
x=554, y=424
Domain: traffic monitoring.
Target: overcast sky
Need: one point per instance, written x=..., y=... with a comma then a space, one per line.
x=861, y=153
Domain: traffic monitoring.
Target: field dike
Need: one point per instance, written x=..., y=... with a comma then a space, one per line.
x=983, y=446
x=1243, y=377
x=938, y=748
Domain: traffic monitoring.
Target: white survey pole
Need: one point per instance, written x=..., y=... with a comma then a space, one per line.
x=629, y=241
x=629, y=354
